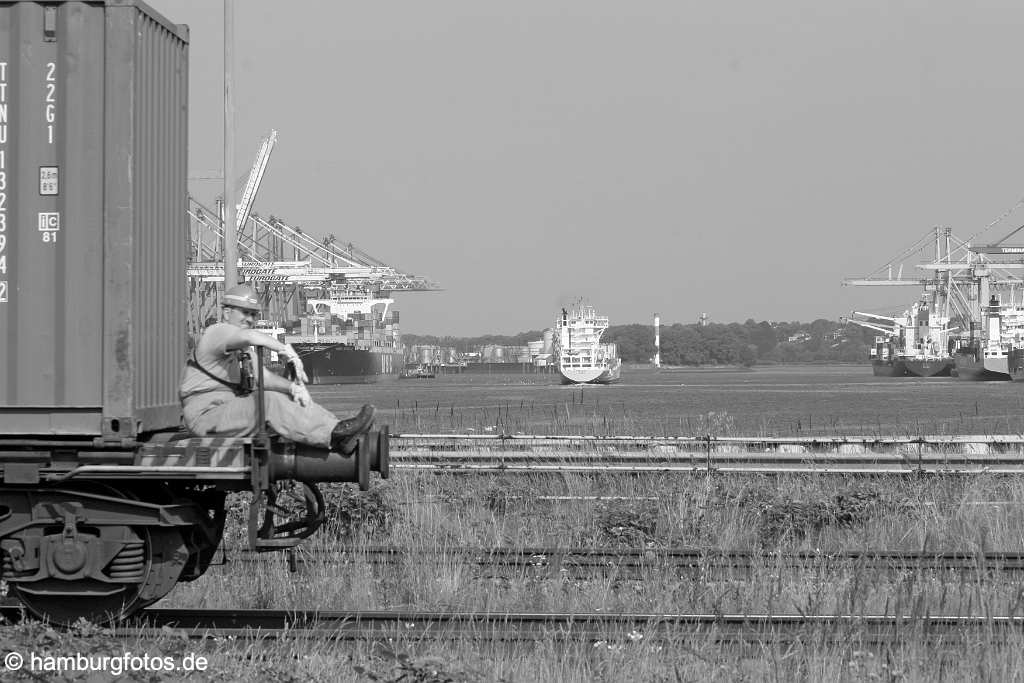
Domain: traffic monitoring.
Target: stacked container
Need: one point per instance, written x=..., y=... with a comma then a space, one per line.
x=93, y=193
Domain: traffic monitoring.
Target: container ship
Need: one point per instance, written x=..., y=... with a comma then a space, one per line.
x=348, y=339
x=579, y=353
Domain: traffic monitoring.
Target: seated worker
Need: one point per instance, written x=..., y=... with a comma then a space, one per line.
x=215, y=405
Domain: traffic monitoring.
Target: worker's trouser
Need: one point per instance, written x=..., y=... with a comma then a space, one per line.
x=221, y=413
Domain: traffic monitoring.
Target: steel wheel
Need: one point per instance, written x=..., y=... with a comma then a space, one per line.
x=143, y=568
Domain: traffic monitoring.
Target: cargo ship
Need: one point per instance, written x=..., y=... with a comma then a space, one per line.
x=912, y=345
x=580, y=356
x=349, y=338
x=981, y=363
x=992, y=355
x=887, y=365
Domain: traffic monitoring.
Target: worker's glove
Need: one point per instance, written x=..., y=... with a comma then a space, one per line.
x=300, y=394
x=292, y=357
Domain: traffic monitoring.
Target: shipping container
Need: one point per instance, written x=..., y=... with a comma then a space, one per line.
x=93, y=194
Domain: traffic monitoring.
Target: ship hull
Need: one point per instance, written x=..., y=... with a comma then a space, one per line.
x=1015, y=364
x=885, y=368
x=933, y=367
x=969, y=367
x=591, y=375
x=327, y=363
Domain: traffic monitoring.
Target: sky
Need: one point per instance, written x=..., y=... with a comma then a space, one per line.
x=738, y=159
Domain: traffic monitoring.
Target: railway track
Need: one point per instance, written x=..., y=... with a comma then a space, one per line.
x=638, y=564
x=622, y=628
x=489, y=454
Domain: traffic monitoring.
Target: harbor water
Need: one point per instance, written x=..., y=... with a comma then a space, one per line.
x=795, y=400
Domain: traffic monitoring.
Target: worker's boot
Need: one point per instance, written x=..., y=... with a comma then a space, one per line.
x=346, y=433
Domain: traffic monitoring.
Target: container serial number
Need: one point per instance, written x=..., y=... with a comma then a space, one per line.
x=50, y=112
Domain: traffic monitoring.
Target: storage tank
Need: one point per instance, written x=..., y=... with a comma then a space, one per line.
x=549, y=341
x=93, y=154
x=427, y=354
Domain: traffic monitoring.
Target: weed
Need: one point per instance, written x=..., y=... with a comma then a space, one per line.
x=350, y=511
x=628, y=523
x=797, y=518
x=423, y=669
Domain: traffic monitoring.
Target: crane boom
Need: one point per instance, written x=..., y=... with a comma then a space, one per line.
x=259, y=167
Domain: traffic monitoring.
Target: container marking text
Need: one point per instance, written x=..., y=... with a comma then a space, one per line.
x=49, y=225
x=48, y=180
x=51, y=99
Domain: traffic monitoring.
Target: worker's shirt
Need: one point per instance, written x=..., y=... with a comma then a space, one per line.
x=212, y=354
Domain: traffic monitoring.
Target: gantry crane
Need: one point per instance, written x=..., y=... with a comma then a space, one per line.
x=285, y=264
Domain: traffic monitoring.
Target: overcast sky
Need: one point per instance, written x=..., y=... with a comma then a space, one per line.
x=734, y=158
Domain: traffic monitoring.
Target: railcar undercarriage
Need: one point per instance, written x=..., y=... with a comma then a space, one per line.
x=97, y=530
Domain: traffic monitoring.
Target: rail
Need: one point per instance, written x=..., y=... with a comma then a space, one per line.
x=469, y=453
x=637, y=564
x=517, y=626
x=807, y=443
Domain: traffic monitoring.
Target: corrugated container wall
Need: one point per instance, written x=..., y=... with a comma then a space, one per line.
x=93, y=193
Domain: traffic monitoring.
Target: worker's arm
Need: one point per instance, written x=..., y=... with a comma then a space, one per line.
x=275, y=382
x=241, y=338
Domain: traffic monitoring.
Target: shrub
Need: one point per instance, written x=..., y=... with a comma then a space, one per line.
x=632, y=523
x=797, y=518
x=350, y=511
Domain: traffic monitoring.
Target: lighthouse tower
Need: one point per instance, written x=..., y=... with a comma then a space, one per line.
x=657, y=341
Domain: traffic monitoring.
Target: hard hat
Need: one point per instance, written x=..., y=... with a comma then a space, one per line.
x=243, y=297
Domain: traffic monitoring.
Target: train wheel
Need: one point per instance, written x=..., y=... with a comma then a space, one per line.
x=63, y=602
x=144, y=567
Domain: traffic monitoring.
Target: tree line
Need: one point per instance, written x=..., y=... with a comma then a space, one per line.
x=745, y=344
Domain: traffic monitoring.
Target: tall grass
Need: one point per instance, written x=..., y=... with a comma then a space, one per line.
x=441, y=513
x=444, y=512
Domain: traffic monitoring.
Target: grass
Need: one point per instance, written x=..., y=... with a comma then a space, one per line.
x=583, y=413
x=446, y=511
x=442, y=512
x=841, y=655
x=826, y=514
